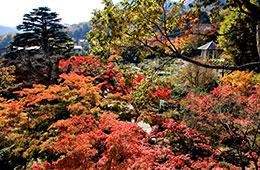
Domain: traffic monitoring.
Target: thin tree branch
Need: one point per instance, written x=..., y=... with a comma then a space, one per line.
x=180, y=56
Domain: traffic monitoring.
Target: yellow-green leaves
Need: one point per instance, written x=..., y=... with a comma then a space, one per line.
x=141, y=23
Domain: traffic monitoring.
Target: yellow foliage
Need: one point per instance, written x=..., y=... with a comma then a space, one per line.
x=241, y=79
x=6, y=77
x=179, y=42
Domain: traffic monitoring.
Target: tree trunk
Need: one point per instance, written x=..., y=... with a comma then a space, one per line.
x=258, y=37
x=55, y=70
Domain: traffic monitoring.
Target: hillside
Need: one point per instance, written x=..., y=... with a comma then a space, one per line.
x=4, y=29
x=75, y=31
x=190, y=2
x=5, y=39
x=78, y=31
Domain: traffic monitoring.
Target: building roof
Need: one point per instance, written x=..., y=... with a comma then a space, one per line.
x=28, y=48
x=209, y=46
x=78, y=47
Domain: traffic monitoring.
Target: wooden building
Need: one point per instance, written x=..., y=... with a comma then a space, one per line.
x=210, y=51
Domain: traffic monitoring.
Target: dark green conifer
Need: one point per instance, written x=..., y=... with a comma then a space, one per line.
x=41, y=29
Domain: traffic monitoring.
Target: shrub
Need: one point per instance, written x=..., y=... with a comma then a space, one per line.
x=194, y=76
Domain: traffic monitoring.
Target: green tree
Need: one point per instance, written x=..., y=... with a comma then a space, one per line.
x=41, y=28
x=238, y=40
x=246, y=22
x=144, y=25
x=40, y=46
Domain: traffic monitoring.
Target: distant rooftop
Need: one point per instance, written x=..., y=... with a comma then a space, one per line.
x=29, y=48
x=82, y=40
x=77, y=47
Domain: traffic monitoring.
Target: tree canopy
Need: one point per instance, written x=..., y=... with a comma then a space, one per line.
x=41, y=28
x=40, y=46
x=238, y=36
x=239, y=33
x=148, y=26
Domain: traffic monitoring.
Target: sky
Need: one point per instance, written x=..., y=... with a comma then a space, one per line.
x=71, y=11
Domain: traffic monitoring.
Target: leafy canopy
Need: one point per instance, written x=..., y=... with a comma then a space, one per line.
x=149, y=26
x=137, y=24
x=41, y=28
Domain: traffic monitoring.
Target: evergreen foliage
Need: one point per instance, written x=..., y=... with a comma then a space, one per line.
x=41, y=28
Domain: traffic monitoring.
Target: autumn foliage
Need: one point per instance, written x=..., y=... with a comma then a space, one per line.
x=88, y=121
x=231, y=119
x=86, y=143
x=99, y=112
x=241, y=79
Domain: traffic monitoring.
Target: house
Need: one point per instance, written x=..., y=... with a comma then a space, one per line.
x=210, y=51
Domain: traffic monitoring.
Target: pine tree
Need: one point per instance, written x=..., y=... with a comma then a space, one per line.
x=40, y=46
x=41, y=28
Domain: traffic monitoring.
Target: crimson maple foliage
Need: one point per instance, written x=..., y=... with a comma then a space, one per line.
x=24, y=121
x=86, y=65
x=85, y=143
x=84, y=123
x=231, y=119
x=125, y=93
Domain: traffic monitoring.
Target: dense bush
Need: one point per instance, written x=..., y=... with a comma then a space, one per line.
x=193, y=76
x=84, y=122
x=230, y=118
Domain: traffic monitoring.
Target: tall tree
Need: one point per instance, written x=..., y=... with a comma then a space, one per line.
x=249, y=11
x=146, y=25
x=41, y=28
x=38, y=49
x=238, y=36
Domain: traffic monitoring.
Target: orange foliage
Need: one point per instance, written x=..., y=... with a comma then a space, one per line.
x=86, y=143
x=39, y=106
x=6, y=78
x=241, y=79
x=179, y=42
